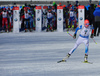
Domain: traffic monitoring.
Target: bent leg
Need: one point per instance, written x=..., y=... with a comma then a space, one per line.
x=73, y=49
x=78, y=42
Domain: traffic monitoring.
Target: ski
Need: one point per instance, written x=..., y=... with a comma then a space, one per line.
x=61, y=61
x=87, y=62
x=64, y=59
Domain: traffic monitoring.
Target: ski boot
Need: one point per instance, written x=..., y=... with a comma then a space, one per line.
x=6, y=30
x=86, y=58
x=25, y=30
x=47, y=30
x=94, y=34
x=64, y=60
x=51, y=29
x=68, y=55
x=30, y=30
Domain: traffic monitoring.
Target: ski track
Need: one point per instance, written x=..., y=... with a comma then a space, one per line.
x=37, y=53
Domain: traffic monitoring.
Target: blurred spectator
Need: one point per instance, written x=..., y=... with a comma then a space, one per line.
x=96, y=14
x=9, y=18
x=0, y=18
x=87, y=11
x=22, y=17
x=66, y=15
x=91, y=17
x=26, y=22
x=31, y=17
x=4, y=19
x=60, y=4
x=55, y=5
x=71, y=18
x=54, y=12
x=49, y=18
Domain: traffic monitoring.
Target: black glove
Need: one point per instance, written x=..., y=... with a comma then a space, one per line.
x=92, y=36
x=74, y=36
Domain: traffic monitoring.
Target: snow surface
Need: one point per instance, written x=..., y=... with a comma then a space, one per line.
x=37, y=53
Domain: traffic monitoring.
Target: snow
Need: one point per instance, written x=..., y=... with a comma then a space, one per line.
x=37, y=53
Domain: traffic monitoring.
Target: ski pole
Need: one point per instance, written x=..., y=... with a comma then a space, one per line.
x=70, y=34
x=94, y=41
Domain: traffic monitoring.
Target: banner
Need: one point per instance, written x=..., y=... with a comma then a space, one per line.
x=16, y=20
x=81, y=15
x=38, y=19
x=60, y=18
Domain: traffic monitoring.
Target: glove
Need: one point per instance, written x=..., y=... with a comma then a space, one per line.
x=92, y=36
x=74, y=36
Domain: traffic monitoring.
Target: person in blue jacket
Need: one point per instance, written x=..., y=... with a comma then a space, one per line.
x=96, y=14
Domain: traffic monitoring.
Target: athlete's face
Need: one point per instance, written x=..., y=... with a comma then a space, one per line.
x=87, y=25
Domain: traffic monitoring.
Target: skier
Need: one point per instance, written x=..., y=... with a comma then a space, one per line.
x=10, y=18
x=54, y=13
x=26, y=20
x=71, y=18
x=4, y=19
x=49, y=18
x=83, y=38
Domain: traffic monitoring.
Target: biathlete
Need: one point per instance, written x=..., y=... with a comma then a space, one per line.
x=83, y=38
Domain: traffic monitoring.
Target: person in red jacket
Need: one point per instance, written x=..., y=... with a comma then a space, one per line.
x=4, y=19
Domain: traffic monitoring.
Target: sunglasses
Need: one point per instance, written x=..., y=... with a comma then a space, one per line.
x=87, y=24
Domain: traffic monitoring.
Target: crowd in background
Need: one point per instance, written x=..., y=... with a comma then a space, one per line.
x=6, y=16
x=49, y=17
